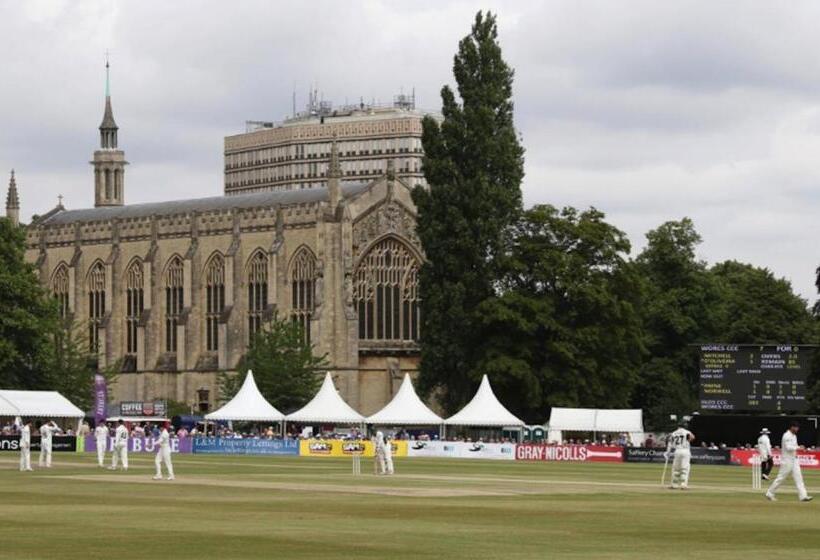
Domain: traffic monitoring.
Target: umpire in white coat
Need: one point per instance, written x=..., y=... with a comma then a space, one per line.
x=764, y=450
x=101, y=440
x=47, y=431
x=25, y=447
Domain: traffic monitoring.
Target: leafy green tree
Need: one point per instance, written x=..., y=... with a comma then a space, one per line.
x=70, y=366
x=760, y=308
x=283, y=365
x=683, y=306
x=566, y=330
x=474, y=166
x=27, y=314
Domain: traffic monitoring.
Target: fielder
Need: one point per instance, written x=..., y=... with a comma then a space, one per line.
x=678, y=443
x=378, y=459
x=120, y=446
x=101, y=437
x=789, y=465
x=47, y=431
x=25, y=447
x=164, y=454
x=764, y=450
x=388, y=457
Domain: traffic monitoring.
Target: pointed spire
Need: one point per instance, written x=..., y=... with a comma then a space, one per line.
x=13, y=201
x=108, y=127
x=334, y=174
x=335, y=167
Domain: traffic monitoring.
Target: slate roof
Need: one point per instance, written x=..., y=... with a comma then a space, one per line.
x=170, y=208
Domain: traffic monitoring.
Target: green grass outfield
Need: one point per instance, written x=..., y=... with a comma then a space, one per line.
x=296, y=507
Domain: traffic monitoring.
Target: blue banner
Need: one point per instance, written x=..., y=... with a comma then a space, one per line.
x=231, y=446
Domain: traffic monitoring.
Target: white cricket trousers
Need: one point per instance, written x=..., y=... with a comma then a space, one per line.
x=25, y=458
x=789, y=466
x=388, y=464
x=680, y=467
x=102, y=443
x=45, y=455
x=378, y=463
x=120, y=454
x=164, y=456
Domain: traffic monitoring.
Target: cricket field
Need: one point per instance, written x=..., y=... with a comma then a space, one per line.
x=228, y=507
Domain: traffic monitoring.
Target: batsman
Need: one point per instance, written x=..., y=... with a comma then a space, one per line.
x=678, y=444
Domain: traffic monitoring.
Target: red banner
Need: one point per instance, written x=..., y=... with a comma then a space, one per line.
x=807, y=459
x=574, y=453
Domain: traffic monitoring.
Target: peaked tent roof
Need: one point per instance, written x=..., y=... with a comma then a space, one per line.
x=326, y=406
x=247, y=405
x=484, y=410
x=49, y=404
x=406, y=408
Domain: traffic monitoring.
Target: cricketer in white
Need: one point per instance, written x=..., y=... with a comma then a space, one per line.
x=164, y=455
x=789, y=465
x=679, y=442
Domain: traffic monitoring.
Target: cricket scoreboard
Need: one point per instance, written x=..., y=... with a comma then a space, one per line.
x=754, y=377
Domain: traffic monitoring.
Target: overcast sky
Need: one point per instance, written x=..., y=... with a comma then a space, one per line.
x=649, y=111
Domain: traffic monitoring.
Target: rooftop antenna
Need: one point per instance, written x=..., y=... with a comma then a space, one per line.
x=107, y=75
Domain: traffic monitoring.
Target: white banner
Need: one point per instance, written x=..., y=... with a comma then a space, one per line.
x=461, y=450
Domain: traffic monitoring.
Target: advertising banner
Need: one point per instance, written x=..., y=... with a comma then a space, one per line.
x=568, y=453
x=807, y=459
x=700, y=456
x=100, y=399
x=141, y=445
x=143, y=408
x=231, y=446
x=461, y=450
x=58, y=443
x=345, y=448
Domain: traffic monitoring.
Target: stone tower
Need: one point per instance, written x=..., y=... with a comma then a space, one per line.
x=109, y=162
x=13, y=201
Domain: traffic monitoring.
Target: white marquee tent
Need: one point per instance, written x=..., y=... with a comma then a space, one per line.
x=596, y=420
x=484, y=410
x=248, y=405
x=406, y=409
x=44, y=404
x=327, y=406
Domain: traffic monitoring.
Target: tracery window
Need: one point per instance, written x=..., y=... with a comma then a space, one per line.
x=257, y=291
x=174, y=302
x=60, y=287
x=303, y=289
x=133, y=304
x=214, y=300
x=96, y=304
x=386, y=292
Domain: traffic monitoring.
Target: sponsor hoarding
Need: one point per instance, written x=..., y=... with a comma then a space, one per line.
x=461, y=450
x=700, y=456
x=248, y=446
x=140, y=445
x=58, y=443
x=807, y=459
x=345, y=448
x=568, y=453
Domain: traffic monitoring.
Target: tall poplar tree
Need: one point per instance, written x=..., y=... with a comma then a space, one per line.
x=474, y=165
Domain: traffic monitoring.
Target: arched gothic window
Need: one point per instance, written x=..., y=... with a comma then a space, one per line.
x=133, y=304
x=303, y=289
x=96, y=304
x=60, y=287
x=257, y=291
x=174, y=282
x=386, y=292
x=214, y=300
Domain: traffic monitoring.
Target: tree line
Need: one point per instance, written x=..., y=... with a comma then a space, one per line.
x=548, y=301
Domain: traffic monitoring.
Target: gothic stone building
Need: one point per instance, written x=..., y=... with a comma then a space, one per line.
x=173, y=291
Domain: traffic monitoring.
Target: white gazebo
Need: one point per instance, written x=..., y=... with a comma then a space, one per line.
x=406, y=409
x=326, y=407
x=596, y=420
x=248, y=405
x=485, y=410
x=43, y=404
